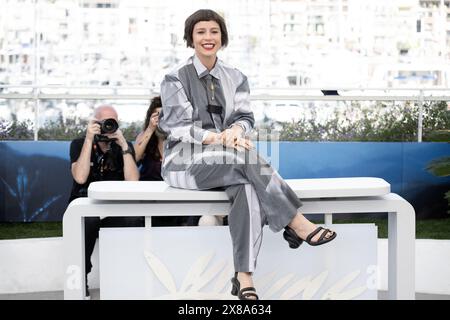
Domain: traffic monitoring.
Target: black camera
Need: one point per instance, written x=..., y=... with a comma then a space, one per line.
x=106, y=126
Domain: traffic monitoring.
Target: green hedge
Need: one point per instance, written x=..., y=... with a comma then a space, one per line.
x=354, y=122
x=381, y=122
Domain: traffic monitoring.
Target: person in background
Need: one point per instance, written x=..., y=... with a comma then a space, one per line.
x=149, y=155
x=92, y=158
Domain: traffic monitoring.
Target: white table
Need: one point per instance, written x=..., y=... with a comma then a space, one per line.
x=319, y=196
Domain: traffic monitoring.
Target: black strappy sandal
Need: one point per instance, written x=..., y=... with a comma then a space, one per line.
x=244, y=293
x=295, y=241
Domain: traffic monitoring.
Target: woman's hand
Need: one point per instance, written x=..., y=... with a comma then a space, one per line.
x=233, y=138
x=213, y=138
x=242, y=143
x=153, y=123
x=231, y=135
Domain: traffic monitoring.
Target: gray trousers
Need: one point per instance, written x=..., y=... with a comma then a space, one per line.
x=257, y=193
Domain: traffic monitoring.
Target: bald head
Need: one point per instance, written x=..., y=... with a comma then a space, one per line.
x=105, y=112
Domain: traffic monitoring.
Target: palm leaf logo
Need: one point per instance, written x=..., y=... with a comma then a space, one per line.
x=161, y=272
x=296, y=288
x=203, y=272
x=335, y=292
x=278, y=285
x=197, y=278
x=195, y=271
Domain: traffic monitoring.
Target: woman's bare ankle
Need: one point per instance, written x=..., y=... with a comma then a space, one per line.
x=245, y=277
x=298, y=222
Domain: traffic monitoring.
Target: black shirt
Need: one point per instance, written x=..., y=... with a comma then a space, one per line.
x=106, y=166
x=150, y=169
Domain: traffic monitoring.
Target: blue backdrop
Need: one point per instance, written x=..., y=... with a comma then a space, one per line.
x=35, y=179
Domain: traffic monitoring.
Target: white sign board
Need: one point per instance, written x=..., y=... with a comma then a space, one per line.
x=197, y=263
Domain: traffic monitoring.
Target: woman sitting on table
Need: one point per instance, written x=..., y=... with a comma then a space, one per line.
x=206, y=113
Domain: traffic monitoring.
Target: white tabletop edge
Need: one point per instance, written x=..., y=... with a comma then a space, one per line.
x=304, y=188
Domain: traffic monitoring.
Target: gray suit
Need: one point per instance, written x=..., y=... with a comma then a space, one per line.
x=196, y=102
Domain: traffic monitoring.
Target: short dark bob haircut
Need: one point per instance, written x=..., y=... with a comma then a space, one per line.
x=204, y=15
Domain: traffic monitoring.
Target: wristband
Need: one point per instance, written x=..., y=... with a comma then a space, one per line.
x=124, y=152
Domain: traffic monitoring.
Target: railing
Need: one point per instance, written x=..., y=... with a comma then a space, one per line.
x=38, y=93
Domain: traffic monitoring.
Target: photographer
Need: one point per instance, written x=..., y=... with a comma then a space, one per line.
x=103, y=154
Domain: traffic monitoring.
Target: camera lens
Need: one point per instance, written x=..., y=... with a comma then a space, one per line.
x=109, y=126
